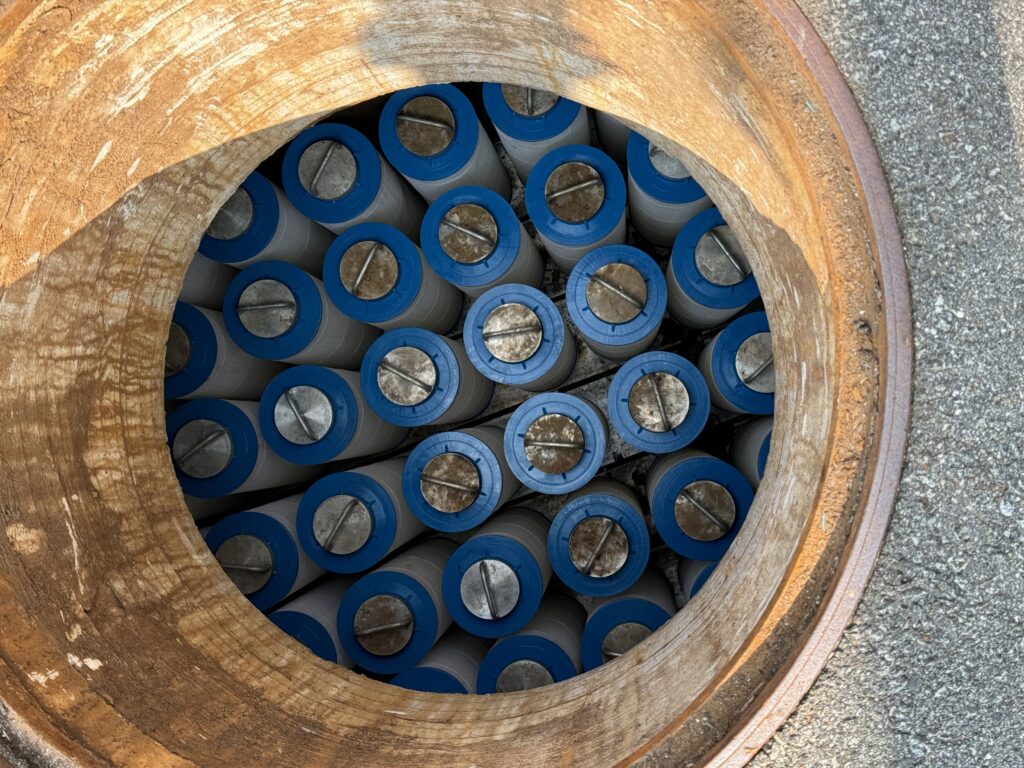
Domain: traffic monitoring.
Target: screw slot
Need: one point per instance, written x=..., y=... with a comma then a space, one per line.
x=574, y=192
x=327, y=169
x=616, y=293
x=234, y=217
x=383, y=625
x=267, y=308
x=705, y=510
x=202, y=448
x=426, y=126
x=554, y=443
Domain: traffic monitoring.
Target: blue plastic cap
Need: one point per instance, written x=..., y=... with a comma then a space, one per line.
x=723, y=365
x=644, y=439
x=515, y=556
x=245, y=446
x=651, y=181
x=683, y=264
x=308, y=631
x=448, y=161
x=594, y=436
x=628, y=610
x=416, y=598
x=487, y=466
x=519, y=647
x=501, y=258
x=445, y=390
x=343, y=405
x=428, y=680
x=597, y=227
x=762, y=455
x=363, y=190
x=678, y=477
x=283, y=552
x=618, y=334
x=266, y=212
x=613, y=508
x=522, y=127
x=538, y=364
x=308, y=310
x=202, y=352
x=702, y=578
x=394, y=302
x=383, y=521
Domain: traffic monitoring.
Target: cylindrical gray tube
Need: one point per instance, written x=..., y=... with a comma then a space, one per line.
x=746, y=448
x=526, y=154
x=205, y=282
x=656, y=220
x=437, y=305
x=270, y=470
x=389, y=474
x=425, y=563
x=566, y=257
x=559, y=619
x=459, y=654
x=285, y=511
x=493, y=438
x=613, y=135
x=321, y=604
x=484, y=169
x=652, y=586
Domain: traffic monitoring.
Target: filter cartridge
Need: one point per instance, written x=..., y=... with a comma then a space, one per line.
x=391, y=617
x=375, y=274
x=663, y=195
x=205, y=282
x=257, y=223
x=334, y=175
x=709, y=280
x=451, y=666
x=555, y=443
x=693, y=574
x=576, y=197
x=698, y=503
x=739, y=366
x=532, y=122
x=312, y=619
x=545, y=651
x=314, y=415
x=276, y=311
x=617, y=623
x=598, y=542
x=750, y=446
x=413, y=377
x=494, y=582
x=432, y=136
x=454, y=481
x=203, y=361
x=659, y=402
x=473, y=239
x=616, y=296
x=350, y=521
x=218, y=448
x=613, y=135
x=259, y=552
x=515, y=335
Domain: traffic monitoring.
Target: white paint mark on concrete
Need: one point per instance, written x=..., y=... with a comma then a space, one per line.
x=42, y=678
x=104, y=150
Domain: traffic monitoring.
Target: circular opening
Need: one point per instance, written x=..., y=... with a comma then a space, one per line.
x=789, y=184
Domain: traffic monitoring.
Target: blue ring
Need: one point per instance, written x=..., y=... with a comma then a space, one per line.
x=723, y=365
x=308, y=631
x=244, y=440
x=266, y=214
x=283, y=550
x=762, y=455
x=616, y=334
x=651, y=181
x=416, y=598
x=683, y=264
x=202, y=352
x=538, y=128
x=538, y=364
x=395, y=301
x=451, y=159
x=445, y=391
x=487, y=466
x=702, y=577
x=363, y=190
x=590, y=424
x=500, y=259
x=518, y=647
x=678, y=477
x=645, y=439
x=343, y=405
x=515, y=556
x=308, y=310
x=599, y=505
x=627, y=610
x=598, y=226
x=428, y=680
x=382, y=511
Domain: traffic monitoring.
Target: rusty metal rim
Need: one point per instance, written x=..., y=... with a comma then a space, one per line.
x=783, y=694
